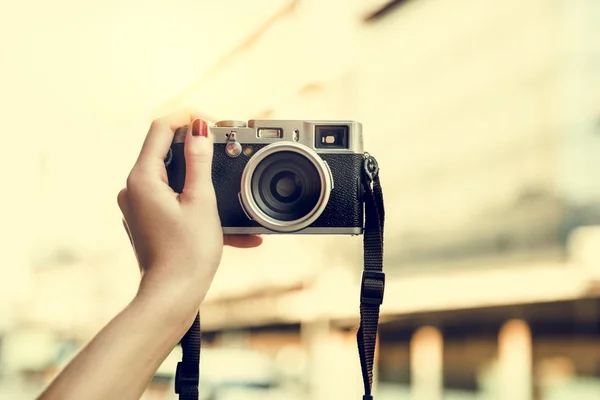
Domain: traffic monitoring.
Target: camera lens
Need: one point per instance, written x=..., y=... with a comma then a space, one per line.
x=286, y=186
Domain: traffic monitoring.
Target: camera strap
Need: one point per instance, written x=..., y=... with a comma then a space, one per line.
x=373, y=278
x=187, y=375
x=372, y=288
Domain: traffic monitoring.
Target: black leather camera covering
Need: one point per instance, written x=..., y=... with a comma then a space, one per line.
x=344, y=209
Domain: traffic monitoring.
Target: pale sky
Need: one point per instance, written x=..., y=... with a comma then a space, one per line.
x=79, y=86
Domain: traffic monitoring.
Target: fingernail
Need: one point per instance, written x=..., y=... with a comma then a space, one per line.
x=199, y=128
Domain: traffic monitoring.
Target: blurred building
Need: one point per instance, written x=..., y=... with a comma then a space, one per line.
x=484, y=117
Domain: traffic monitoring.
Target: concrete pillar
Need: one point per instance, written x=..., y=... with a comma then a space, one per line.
x=515, y=361
x=426, y=359
x=333, y=366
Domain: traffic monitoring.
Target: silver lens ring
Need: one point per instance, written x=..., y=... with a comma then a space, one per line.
x=250, y=204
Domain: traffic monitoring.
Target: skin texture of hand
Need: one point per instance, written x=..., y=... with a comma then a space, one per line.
x=178, y=241
x=177, y=238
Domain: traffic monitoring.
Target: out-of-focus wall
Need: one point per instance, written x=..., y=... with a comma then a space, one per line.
x=484, y=121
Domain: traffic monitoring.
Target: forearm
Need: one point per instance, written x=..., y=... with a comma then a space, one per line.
x=121, y=360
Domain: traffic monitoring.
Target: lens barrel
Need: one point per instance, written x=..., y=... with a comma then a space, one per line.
x=285, y=187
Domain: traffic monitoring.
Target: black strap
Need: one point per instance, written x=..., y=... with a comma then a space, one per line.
x=188, y=369
x=373, y=278
x=371, y=296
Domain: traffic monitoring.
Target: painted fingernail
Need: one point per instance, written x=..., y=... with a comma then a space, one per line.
x=199, y=128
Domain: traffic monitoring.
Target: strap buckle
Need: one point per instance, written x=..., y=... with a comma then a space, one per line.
x=372, y=287
x=370, y=166
x=185, y=377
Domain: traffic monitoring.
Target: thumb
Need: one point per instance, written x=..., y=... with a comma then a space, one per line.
x=198, y=150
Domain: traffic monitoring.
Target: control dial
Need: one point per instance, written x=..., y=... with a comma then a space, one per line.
x=231, y=124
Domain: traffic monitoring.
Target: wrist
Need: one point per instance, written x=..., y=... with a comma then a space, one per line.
x=174, y=301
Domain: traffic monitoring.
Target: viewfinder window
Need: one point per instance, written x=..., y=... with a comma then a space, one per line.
x=331, y=137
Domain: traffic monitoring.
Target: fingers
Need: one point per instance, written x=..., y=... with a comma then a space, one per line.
x=159, y=137
x=242, y=241
x=123, y=202
x=198, y=163
x=127, y=231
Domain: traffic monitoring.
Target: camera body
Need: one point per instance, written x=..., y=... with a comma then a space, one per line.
x=283, y=176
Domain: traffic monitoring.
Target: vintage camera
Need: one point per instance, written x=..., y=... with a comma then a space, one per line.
x=283, y=176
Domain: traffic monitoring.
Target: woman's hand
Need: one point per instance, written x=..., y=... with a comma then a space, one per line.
x=177, y=238
x=178, y=241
